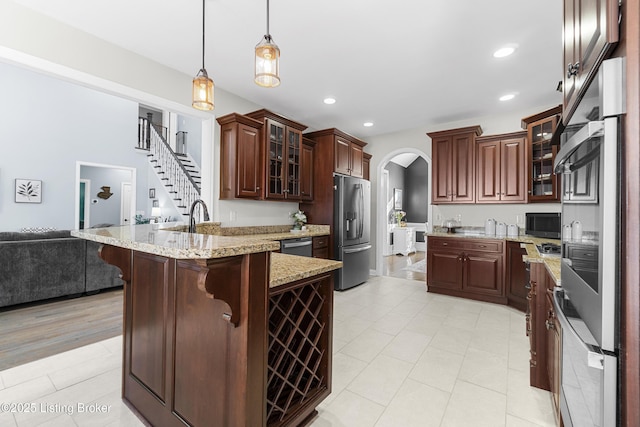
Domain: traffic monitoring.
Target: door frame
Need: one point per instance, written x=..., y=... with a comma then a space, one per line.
x=87, y=202
x=381, y=225
x=122, y=213
x=79, y=165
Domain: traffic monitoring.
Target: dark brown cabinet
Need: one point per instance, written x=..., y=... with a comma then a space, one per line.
x=306, y=169
x=241, y=166
x=535, y=319
x=554, y=351
x=501, y=168
x=282, y=148
x=332, y=148
x=543, y=185
x=466, y=268
x=453, y=154
x=516, y=276
x=590, y=32
x=366, y=165
x=321, y=247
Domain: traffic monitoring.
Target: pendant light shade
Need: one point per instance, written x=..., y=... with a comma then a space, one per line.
x=202, y=92
x=267, y=60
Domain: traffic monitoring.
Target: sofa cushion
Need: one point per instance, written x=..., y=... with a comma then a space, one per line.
x=39, y=269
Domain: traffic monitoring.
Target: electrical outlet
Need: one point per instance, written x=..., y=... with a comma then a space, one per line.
x=232, y=216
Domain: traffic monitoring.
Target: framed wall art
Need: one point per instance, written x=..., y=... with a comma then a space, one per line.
x=28, y=191
x=152, y=193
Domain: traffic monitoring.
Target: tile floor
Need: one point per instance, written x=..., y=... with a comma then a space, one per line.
x=402, y=357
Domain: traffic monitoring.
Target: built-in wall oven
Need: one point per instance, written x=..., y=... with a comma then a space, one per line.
x=587, y=302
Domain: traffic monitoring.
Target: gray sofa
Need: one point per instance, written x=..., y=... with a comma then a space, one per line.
x=39, y=266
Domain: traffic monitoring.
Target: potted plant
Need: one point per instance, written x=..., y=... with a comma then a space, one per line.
x=299, y=220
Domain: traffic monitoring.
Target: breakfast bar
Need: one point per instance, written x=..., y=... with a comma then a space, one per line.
x=218, y=330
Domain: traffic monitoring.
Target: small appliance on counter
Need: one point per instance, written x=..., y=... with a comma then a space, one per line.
x=544, y=224
x=490, y=227
x=451, y=225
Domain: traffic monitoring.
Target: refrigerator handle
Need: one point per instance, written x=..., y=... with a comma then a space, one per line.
x=360, y=211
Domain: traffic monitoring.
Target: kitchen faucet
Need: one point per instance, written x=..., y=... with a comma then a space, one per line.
x=192, y=221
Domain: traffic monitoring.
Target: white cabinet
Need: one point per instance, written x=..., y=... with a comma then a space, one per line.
x=404, y=240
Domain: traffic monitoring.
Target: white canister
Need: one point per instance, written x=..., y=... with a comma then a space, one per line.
x=512, y=230
x=490, y=227
x=566, y=233
x=576, y=230
x=501, y=229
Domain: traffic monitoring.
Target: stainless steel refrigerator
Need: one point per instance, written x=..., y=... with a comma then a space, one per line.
x=352, y=201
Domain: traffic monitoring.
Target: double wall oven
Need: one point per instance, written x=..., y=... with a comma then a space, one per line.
x=587, y=301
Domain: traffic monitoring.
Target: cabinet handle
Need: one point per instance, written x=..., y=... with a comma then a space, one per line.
x=549, y=325
x=482, y=246
x=445, y=244
x=573, y=69
x=257, y=188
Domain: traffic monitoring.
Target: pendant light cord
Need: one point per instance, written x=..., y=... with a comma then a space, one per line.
x=268, y=19
x=203, y=34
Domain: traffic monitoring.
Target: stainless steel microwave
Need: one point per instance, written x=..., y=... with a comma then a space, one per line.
x=544, y=224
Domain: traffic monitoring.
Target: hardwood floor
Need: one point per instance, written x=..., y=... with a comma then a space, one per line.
x=35, y=331
x=394, y=266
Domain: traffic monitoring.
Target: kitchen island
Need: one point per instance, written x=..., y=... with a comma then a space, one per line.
x=219, y=331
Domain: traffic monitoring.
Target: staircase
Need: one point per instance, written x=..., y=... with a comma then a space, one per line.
x=178, y=172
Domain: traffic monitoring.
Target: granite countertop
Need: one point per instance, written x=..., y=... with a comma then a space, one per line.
x=289, y=268
x=551, y=263
x=162, y=239
x=259, y=232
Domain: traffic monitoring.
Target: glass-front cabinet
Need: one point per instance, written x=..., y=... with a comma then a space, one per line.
x=544, y=185
x=283, y=145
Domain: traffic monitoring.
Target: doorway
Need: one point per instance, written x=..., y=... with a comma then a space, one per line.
x=113, y=203
x=416, y=193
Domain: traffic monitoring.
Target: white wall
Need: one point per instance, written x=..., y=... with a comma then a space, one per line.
x=47, y=126
x=73, y=55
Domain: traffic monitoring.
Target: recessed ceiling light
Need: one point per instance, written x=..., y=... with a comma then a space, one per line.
x=507, y=97
x=504, y=51
x=367, y=124
x=329, y=101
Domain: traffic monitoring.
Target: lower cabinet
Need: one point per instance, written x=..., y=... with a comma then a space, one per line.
x=516, y=276
x=545, y=335
x=321, y=247
x=467, y=268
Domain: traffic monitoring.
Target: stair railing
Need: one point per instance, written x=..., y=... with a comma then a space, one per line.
x=175, y=176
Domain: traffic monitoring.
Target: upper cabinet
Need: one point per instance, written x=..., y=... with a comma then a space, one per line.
x=543, y=184
x=346, y=152
x=590, y=32
x=453, y=156
x=282, y=148
x=240, y=150
x=501, y=168
x=306, y=169
x=366, y=165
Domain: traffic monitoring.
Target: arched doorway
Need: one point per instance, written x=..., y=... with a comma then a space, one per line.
x=385, y=202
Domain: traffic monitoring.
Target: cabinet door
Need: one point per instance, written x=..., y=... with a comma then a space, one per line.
x=341, y=162
x=542, y=182
x=463, y=169
x=276, y=158
x=248, y=163
x=516, y=276
x=483, y=273
x=444, y=269
x=570, y=54
x=441, y=186
x=356, y=161
x=513, y=167
x=366, y=164
x=306, y=172
x=488, y=178
x=294, y=159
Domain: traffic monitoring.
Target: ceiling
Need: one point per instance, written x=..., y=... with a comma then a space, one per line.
x=400, y=65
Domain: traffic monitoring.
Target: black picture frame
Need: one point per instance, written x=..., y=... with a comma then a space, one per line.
x=152, y=193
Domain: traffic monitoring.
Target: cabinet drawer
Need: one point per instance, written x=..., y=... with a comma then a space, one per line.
x=585, y=253
x=484, y=246
x=320, y=242
x=445, y=243
x=463, y=243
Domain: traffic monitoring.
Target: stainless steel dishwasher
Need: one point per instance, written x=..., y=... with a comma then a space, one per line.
x=300, y=246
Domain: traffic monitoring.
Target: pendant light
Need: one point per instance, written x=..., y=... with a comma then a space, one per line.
x=267, y=60
x=202, y=84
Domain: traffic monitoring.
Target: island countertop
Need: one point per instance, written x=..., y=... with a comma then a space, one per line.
x=159, y=239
